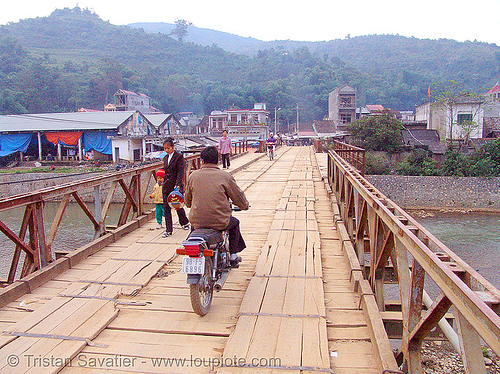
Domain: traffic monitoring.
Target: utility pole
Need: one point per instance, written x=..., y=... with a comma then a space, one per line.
x=298, y=127
x=275, y=117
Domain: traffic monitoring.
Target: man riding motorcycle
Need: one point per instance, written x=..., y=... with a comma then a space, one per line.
x=208, y=191
x=271, y=144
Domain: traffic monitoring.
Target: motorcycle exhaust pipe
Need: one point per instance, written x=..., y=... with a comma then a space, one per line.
x=218, y=285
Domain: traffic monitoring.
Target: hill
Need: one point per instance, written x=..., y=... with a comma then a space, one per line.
x=73, y=58
x=475, y=64
x=207, y=37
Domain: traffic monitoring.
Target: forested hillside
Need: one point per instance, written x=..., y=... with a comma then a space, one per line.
x=72, y=59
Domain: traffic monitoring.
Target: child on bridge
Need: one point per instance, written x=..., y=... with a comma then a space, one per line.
x=157, y=197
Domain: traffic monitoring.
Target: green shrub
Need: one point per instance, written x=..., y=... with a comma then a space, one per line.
x=418, y=163
x=377, y=165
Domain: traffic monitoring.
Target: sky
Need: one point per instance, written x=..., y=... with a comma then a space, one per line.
x=310, y=20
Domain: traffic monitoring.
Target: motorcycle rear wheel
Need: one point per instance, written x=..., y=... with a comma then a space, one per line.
x=201, y=293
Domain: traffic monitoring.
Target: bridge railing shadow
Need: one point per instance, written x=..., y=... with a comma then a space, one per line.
x=382, y=241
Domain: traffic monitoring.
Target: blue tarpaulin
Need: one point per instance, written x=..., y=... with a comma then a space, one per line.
x=11, y=143
x=98, y=141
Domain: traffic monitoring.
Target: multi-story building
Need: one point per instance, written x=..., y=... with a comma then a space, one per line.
x=240, y=123
x=491, y=127
x=124, y=101
x=342, y=106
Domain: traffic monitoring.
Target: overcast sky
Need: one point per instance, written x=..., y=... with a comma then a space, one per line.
x=313, y=20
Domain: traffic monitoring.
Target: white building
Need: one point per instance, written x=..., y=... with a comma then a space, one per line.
x=241, y=123
x=124, y=101
x=459, y=118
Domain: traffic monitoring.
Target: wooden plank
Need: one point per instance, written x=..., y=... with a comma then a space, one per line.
x=88, y=318
x=174, y=322
x=90, y=328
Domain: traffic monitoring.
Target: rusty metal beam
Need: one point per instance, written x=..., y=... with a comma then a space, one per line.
x=85, y=209
x=436, y=312
x=17, y=251
x=57, y=220
x=482, y=317
x=39, y=249
x=50, y=192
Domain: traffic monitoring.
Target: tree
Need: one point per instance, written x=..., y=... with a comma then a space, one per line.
x=450, y=98
x=181, y=29
x=455, y=163
x=378, y=133
x=418, y=163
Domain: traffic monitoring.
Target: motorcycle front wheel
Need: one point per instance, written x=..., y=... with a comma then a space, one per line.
x=201, y=292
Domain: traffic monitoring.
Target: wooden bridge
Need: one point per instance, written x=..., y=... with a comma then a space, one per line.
x=301, y=301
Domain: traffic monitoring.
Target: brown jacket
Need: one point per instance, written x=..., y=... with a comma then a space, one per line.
x=208, y=191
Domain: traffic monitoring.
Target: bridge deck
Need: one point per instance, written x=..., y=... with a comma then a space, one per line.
x=289, y=308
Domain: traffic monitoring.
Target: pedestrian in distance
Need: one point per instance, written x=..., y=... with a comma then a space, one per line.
x=173, y=164
x=225, y=149
x=157, y=196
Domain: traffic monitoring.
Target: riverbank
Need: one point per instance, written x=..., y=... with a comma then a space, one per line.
x=441, y=358
x=438, y=193
x=26, y=180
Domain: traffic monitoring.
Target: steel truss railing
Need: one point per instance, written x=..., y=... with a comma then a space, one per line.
x=32, y=238
x=384, y=234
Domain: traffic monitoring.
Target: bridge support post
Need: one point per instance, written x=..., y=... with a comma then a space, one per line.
x=98, y=211
x=44, y=252
x=470, y=346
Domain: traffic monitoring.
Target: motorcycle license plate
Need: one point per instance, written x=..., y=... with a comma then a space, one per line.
x=193, y=265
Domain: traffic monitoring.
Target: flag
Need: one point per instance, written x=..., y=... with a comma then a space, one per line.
x=429, y=92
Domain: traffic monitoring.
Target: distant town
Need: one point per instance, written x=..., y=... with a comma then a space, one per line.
x=130, y=128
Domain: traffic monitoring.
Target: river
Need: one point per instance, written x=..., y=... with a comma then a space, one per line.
x=475, y=237
x=74, y=231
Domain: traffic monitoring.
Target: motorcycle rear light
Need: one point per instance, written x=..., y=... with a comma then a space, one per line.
x=208, y=252
x=192, y=250
x=180, y=251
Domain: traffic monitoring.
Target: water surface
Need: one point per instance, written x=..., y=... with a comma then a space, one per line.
x=475, y=237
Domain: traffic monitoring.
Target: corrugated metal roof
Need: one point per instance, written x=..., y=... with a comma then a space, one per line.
x=157, y=119
x=63, y=121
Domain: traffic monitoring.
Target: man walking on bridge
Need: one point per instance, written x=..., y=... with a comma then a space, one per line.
x=208, y=191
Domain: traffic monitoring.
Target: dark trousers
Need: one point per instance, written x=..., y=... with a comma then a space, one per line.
x=183, y=220
x=236, y=242
x=225, y=160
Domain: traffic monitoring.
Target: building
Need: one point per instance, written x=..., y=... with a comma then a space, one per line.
x=257, y=115
x=418, y=137
x=240, y=123
x=117, y=136
x=342, y=106
x=189, y=122
x=491, y=124
x=217, y=121
x=493, y=95
x=166, y=124
x=124, y=101
x=203, y=126
x=374, y=109
x=460, y=118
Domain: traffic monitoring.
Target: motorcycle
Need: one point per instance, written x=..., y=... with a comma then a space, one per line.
x=271, y=147
x=207, y=264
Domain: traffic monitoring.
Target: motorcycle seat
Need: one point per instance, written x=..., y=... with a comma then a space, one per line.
x=211, y=237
